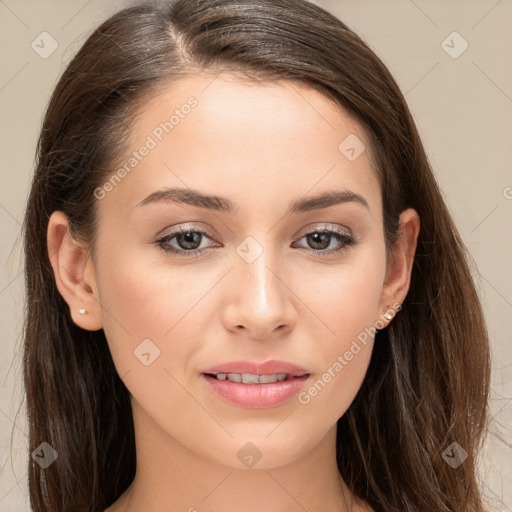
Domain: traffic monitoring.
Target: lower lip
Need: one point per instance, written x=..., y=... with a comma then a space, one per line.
x=256, y=396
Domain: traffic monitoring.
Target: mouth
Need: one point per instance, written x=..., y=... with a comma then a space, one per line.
x=253, y=378
x=255, y=385
x=250, y=391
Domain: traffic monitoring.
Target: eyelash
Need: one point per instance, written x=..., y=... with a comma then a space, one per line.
x=344, y=238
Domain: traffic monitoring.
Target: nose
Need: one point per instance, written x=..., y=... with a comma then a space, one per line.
x=259, y=301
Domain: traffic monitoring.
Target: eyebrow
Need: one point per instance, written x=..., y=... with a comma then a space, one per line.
x=221, y=204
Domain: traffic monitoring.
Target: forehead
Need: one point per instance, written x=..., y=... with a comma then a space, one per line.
x=234, y=104
x=247, y=139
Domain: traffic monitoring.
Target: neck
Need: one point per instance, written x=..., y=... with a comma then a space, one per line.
x=170, y=476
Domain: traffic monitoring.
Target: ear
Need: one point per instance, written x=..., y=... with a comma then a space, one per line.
x=74, y=273
x=398, y=275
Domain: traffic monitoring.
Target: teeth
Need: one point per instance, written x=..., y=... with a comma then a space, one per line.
x=265, y=379
x=251, y=378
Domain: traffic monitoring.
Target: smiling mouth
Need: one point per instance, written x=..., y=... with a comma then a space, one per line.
x=251, y=378
x=256, y=390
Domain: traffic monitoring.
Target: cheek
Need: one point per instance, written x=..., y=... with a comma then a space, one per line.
x=347, y=303
x=149, y=318
x=138, y=303
x=153, y=315
x=346, y=298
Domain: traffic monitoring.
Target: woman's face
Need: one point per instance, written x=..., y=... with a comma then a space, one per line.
x=254, y=280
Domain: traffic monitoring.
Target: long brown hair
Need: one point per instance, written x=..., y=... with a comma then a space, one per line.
x=428, y=380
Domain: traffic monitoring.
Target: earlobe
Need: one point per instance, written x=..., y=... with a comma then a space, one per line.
x=74, y=273
x=398, y=277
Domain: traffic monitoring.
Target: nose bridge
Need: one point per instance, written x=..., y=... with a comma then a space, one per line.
x=258, y=268
x=260, y=299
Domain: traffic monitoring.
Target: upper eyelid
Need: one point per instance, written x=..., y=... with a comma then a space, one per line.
x=173, y=231
x=203, y=229
x=324, y=227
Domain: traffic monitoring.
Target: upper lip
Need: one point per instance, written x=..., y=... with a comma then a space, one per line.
x=258, y=368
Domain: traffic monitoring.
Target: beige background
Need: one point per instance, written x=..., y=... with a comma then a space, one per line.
x=463, y=108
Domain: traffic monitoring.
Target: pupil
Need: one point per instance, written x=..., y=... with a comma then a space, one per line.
x=190, y=237
x=317, y=240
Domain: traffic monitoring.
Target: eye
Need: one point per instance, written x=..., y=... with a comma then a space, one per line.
x=187, y=239
x=323, y=238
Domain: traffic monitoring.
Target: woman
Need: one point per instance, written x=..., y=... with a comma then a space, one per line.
x=244, y=288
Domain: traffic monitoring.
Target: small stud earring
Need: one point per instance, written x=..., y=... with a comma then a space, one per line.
x=82, y=311
x=389, y=316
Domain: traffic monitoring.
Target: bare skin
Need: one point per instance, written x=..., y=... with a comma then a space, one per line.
x=262, y=147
